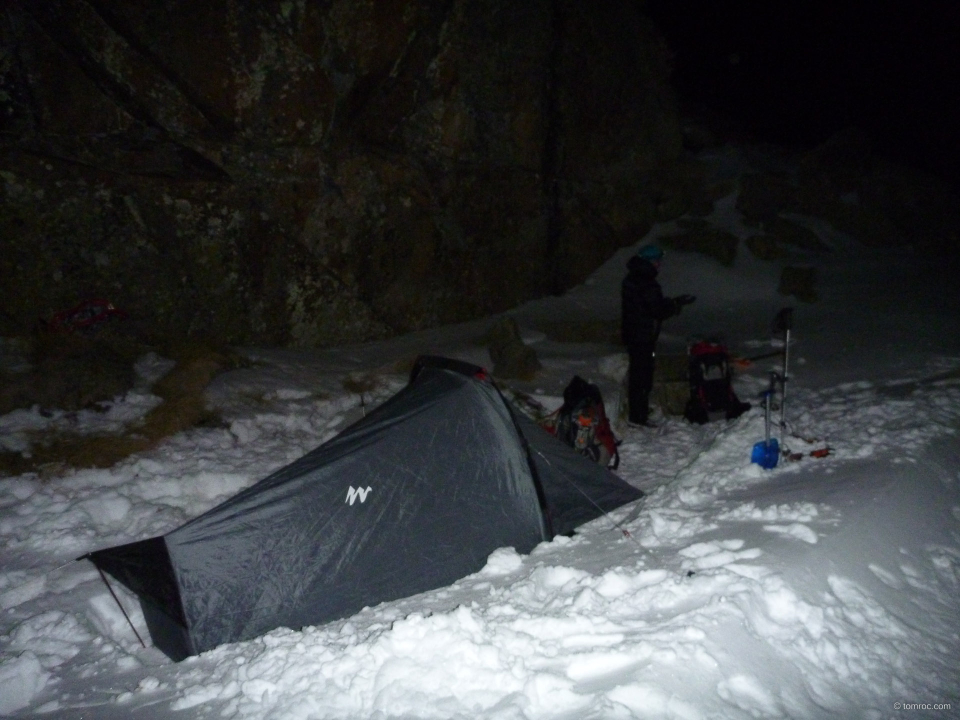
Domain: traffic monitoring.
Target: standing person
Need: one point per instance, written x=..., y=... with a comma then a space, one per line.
x=643, y=310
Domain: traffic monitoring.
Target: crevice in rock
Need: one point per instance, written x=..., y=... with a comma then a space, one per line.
x=223, y=128
x=55, y=22
x=552, y=159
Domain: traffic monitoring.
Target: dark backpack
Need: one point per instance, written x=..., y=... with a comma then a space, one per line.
x=582, y=423
x=711, y=389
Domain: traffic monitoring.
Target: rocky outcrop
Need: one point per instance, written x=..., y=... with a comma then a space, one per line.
x=843, y=182
x=306, y=173
x=512, y=358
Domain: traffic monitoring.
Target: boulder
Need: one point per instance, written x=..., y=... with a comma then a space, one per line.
x=512, y=358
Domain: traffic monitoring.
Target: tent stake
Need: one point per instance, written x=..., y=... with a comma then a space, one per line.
x=117, y=600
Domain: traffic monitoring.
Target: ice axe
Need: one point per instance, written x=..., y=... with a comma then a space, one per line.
x=748, y=361
x=783, y=323
x=766, y=453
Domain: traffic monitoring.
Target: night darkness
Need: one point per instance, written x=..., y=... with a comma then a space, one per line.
x=795, y=73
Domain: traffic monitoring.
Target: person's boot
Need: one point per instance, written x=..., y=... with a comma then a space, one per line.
x=640, y=416
x=641, y=420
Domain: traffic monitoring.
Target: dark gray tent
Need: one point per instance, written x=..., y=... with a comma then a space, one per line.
x=413, y=497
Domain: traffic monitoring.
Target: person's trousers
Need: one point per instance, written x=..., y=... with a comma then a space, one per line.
x=639, y=381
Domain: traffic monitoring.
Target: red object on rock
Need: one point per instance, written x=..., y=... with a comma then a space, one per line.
x=86, y=316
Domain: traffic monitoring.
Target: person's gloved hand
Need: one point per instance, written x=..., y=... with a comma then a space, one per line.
x=682, y=300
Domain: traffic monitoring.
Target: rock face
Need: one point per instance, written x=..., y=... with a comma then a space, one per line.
x=843, y=182
x=316, y=173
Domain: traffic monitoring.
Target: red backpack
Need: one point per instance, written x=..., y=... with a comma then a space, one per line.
x=711, y=390
x=582, y=423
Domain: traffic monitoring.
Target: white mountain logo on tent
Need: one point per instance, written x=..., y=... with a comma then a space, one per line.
x=354, y=493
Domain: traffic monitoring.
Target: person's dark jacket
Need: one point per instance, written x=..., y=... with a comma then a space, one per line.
x=643, y=306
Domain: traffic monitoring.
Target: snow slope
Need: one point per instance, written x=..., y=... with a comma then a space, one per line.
x=825, y=587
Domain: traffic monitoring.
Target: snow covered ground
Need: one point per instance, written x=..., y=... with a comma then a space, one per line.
x=826, y=587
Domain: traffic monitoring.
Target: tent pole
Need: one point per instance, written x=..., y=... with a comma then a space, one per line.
x=117, y=600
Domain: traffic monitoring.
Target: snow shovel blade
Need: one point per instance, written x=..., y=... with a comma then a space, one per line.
x=766, y=453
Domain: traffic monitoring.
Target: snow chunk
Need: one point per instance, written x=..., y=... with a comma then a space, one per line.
x=502, y=561
x=614, y=366
x=886, y=577
x=109, y=508
x=795, y=530
x=151, y=367
x=706, y=555
x=748, y=693
x=16, y=588
x=646, y=701
x=53, y=637
x=21, y=679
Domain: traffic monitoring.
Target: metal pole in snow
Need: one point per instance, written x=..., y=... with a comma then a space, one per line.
x=783, y=322
x=119, y=605
x=768, y=398
x=783, y=386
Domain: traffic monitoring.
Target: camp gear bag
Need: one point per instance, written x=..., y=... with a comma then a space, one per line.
x=711, y=390
x=582, y=423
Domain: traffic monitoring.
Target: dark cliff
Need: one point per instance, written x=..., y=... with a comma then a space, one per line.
x=315, y=173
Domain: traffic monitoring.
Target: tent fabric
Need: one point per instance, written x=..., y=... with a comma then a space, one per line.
x=414, y=496
x=576, y=489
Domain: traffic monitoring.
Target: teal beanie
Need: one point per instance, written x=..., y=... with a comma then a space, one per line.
x=650, y=252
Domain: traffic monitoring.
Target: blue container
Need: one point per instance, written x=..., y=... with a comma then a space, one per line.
x=766, y=453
